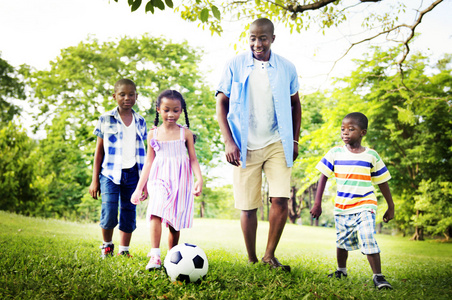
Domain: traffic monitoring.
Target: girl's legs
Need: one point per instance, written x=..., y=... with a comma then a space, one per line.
x=155, y=231
x=173, y=237
x=155, y=234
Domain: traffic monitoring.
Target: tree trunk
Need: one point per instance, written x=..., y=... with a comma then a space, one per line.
x=293, y=205
x=449, y=232
x=418, y=234
x=419, y=231
x=202, y=210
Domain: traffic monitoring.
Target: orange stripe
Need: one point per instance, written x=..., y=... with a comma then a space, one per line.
x=347, y=206
x=352, y=176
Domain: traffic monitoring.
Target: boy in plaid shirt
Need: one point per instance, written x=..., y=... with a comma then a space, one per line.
x=356, y=169
x=118, y=160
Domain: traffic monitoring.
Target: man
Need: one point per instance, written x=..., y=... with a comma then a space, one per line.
x=259, y=114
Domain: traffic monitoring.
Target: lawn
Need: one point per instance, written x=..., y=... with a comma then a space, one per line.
x=52, y=259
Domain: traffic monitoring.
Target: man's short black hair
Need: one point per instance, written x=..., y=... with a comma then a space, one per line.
x=264, y=22
x=360, y=118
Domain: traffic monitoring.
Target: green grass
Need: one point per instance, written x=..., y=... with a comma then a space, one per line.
x=51, y=259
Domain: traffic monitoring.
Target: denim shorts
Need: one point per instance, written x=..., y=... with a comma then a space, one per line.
x=349, y=227
x=116, y=196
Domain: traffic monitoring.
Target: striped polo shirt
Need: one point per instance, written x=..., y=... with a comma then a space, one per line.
x=355, y=174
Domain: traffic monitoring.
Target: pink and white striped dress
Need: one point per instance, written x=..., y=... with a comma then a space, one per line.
x=170, y=183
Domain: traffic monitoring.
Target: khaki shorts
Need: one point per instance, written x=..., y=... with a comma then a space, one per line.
x=248, y=181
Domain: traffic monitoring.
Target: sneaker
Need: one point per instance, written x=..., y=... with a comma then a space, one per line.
x=381, y=283
x=154, y=262
x=107, y=250
x=275, y=264
x=338, y=274
x=124, y=253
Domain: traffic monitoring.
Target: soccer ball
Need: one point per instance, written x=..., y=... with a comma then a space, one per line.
x=186, y=262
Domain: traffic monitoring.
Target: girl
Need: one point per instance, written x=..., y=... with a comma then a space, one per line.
x=168, y=175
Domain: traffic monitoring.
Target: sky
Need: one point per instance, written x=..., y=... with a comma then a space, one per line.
x=33, y=32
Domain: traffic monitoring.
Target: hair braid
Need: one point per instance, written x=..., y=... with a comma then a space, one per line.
x=186, y=116
x=156, y=120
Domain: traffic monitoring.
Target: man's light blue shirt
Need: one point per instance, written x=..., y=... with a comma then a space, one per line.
x=110, y=130
x=234, y=84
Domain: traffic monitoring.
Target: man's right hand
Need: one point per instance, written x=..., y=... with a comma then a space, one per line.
x=232, y=153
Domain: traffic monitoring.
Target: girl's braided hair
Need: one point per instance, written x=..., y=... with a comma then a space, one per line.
x=174, y=95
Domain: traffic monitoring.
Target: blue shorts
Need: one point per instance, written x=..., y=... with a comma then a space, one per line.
x=114, y=196
x=348, y=227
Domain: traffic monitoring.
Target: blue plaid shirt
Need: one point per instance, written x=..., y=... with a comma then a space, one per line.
x=110, y=130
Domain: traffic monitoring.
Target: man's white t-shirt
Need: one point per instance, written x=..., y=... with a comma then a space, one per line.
x=263, y=125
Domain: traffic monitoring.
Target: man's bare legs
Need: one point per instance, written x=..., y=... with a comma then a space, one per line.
x=248, y=221
x=277, y=219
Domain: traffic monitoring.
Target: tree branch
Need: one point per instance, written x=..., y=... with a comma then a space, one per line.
x=297, y=8
x=405, y=42
x=413, y=29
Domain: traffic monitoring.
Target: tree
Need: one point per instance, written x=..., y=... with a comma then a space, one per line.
x=11, y=87
x=18, y=185
x=411, y=120
x=410, y=126
x=216, y=203
x=382, y=17
x=434, y=199
x=70, y=97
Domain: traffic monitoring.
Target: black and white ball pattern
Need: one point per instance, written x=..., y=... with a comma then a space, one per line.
x=186, y=262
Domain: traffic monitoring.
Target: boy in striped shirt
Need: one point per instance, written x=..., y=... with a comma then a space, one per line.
x=356, y=170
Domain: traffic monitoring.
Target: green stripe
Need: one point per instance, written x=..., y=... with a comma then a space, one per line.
x=337, y=149
x=350, y=182
x=374, y=154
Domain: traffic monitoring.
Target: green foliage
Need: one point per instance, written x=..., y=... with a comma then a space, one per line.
x=55, y=259
x=410, y=124
x=11, y=87
x=294, y=15
x=19, y=186
x=434, y=201
x=218, y=203
x=70, y=97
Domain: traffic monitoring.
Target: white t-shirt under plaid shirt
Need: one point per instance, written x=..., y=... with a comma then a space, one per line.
x=355, y=175
x=109, y=128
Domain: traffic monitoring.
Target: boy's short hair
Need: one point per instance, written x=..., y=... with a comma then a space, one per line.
x=125, y=81
x=264, y=22
x=360, y=118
